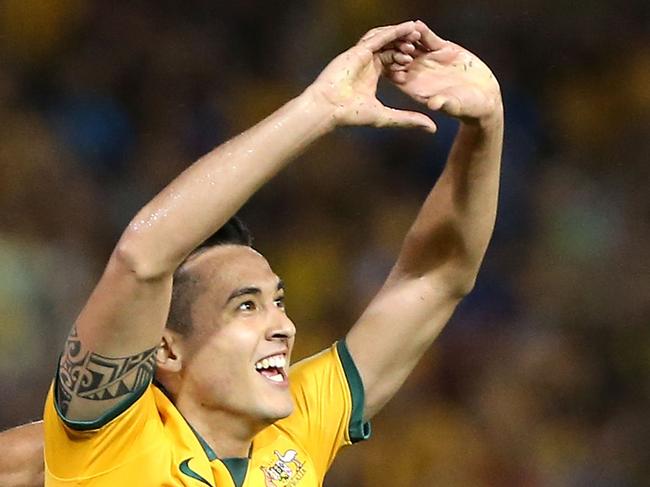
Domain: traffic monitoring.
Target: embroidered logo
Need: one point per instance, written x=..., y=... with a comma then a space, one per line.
x=286, y=471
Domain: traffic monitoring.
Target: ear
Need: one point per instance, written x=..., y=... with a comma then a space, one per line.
x=169, y=355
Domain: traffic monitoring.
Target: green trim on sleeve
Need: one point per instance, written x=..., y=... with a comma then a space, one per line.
x=358, y=429
x=105, y=418
x=237, y=467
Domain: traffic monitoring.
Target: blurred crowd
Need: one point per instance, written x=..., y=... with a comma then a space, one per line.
x=542, y=378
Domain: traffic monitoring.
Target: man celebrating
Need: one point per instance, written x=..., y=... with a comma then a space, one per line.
x=225, y=408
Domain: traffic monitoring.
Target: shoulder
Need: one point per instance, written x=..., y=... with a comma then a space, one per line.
x=332, y=364
x=128, y=431
x=328, y=388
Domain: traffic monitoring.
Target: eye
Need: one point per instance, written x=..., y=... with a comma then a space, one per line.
x=279, y=302
x=247, y=306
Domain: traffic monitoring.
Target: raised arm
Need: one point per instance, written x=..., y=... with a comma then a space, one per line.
x=21, y=462
x=110, y=352
x=442, y=252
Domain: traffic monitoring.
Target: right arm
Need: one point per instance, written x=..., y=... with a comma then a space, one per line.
x=126, y=313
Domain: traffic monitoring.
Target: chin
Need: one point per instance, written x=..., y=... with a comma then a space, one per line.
x=278, y=413
x=286, y=412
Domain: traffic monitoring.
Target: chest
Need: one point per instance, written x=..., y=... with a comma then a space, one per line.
x=282, y=464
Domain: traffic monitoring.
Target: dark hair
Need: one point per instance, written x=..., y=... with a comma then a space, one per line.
x=187, y=285
x=233, y=232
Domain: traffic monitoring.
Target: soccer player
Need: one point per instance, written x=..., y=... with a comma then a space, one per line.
x=225, y=408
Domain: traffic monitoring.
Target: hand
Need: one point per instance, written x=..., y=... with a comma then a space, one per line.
x=443, y=75
x=349, y=83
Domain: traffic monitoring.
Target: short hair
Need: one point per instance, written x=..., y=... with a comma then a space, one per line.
x=187, y=285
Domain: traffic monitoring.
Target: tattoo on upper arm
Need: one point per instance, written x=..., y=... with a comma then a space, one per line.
x=92, y=376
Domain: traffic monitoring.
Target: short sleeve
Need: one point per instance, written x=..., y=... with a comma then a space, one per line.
x=328, y=399
x=77, y=450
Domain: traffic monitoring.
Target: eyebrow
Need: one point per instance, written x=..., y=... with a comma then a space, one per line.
x=251, y=290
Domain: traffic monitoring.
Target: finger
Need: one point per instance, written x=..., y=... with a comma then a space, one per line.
x=405, y=119
x=373, y=32
x=414, y=36
x=420, y=50
x=405, y=47
x=398, y=77
x=389, y=58
x=401, y=58
x=428, y=38
x=384, y=37
x=386, y=57
x=397, y=67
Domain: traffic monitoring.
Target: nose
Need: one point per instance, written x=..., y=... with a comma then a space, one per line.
x=281, y=328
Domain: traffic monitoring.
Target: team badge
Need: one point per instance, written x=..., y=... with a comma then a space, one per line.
x=285, y=471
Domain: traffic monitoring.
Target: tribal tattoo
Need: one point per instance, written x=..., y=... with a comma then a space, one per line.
x=92, y=376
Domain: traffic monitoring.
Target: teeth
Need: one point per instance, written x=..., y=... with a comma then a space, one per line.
x=276, y=378
x=277, y=361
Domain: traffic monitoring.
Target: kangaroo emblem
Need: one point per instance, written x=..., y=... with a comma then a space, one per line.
x=280, y=473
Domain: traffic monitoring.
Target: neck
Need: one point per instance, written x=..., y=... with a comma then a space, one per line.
x=230, y=435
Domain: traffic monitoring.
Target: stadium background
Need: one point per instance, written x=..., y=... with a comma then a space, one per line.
x=542, y=377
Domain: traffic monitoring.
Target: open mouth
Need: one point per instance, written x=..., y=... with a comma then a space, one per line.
x=272, y=368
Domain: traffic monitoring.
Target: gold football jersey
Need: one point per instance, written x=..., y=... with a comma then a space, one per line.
x=147, y=442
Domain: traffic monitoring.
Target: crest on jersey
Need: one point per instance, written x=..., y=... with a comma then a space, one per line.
x=286, y=470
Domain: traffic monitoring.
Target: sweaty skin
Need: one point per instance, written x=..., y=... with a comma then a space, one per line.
x=436, y=267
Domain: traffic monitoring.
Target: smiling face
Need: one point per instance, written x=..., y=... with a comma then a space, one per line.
x=237, y=355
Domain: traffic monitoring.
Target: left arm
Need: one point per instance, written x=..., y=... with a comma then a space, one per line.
x=443, y=250
x=21, y=462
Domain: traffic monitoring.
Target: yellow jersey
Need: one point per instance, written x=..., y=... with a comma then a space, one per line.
x=147, y=442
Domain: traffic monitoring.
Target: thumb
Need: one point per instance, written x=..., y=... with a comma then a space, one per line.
x=390, y=117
